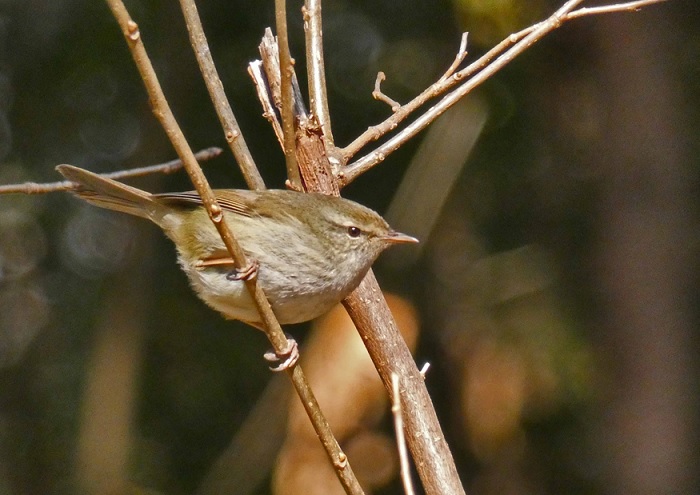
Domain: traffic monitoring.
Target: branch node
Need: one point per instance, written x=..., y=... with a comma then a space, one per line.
x=341, y=461
x=133, y=30
x=217, y=215
x=293, y=187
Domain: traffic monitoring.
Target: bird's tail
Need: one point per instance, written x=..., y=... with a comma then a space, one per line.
x=107, y=193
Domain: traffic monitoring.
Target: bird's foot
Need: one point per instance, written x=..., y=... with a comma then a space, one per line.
x=286, y=358
x=247, y=273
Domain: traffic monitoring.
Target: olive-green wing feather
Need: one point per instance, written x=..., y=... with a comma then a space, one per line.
x=234, y=200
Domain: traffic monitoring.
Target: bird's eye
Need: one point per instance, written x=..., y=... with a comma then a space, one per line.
x=354, y=231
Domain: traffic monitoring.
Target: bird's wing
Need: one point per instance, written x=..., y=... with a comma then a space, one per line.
x=233, y=200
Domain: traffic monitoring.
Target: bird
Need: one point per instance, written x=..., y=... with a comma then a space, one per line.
x=309, y=250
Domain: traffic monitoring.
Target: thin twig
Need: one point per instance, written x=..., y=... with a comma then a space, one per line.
x=163, y=168
x=485, y=59
x=459, y=58
x=232, y=131
x=608, y=9
x=390, y=354
x=400, y=436
x=377, y=94
x=287, y=108
x=270, y=325
x=316, y=72
x=446, y=81
x=514, y=47
x=520, y=42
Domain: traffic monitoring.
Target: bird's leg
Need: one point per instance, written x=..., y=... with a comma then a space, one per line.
x=286, y=358
x=247, y=273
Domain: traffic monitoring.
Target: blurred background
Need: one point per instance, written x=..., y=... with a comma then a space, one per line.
x=555, y=290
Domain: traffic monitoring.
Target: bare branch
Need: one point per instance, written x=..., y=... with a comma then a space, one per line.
x=400, y=436
x=483, y=69
x=316, y=72
x=485, y=59
x=269, y=52
x=287, y=108
x=163, y=168
x=232, y=131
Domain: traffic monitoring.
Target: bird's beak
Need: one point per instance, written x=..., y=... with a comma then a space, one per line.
x=394, y=237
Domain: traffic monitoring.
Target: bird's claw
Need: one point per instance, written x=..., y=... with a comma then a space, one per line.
x=286, y=358
x=247, y=273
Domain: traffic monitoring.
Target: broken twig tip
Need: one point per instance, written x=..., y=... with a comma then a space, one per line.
x=424, y=370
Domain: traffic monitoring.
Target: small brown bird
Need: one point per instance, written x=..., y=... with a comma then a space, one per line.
x=311, y=250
